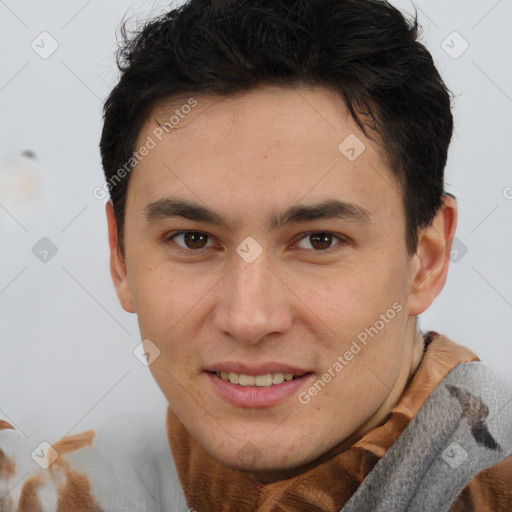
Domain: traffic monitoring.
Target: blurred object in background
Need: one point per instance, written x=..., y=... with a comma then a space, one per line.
x=20, y=180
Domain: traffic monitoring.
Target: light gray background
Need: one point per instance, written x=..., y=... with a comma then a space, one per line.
x=66, y=345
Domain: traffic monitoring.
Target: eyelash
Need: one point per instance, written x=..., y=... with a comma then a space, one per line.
x=343, y=241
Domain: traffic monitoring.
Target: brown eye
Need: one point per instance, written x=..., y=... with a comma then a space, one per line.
x=320, y=240
x=193, y=240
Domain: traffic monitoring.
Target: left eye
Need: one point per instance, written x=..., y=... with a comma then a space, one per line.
x=195, y=240
x=320, y=240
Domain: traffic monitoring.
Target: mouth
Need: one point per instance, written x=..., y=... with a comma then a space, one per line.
x=259, y=381
x=256, y=391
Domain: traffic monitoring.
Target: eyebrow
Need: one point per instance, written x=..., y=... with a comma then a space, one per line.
x=169, y=207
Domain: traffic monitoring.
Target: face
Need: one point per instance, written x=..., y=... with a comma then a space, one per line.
x=264, y=238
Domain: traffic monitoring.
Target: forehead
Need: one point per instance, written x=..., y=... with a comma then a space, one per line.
x=270, y=145
x=267, y=113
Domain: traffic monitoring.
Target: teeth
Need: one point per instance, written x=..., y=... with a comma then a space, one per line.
x=277, y=378
x=259, y=380
x=263, y=380
x=245, y=380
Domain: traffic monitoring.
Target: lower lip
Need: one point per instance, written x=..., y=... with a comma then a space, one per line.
x=254, y=396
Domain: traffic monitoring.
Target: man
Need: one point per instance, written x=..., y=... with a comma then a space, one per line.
x=277, y=222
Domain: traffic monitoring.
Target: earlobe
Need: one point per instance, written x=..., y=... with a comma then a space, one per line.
x=117, y=263
x=431, y=261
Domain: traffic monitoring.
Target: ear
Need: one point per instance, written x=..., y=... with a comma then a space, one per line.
x=430, y=263
x=117, y=263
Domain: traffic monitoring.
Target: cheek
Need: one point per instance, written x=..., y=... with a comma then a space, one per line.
x=356, y=299
x=162, y=297
x=169, y=303
x=366, y=311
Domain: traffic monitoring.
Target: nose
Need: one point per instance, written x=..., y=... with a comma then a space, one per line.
x=252, y=302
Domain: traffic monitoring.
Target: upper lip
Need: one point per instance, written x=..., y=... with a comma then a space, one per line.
x=255, y=369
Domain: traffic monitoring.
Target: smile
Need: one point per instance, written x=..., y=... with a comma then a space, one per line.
x=264, y=390
x=266, y=380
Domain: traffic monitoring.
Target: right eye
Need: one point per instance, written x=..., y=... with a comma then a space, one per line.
x=193, y=241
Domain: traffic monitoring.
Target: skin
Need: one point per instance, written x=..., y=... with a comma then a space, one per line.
x=246, y=156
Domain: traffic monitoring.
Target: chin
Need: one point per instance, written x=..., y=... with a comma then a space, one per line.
x=253, y=456
x=256, y=466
